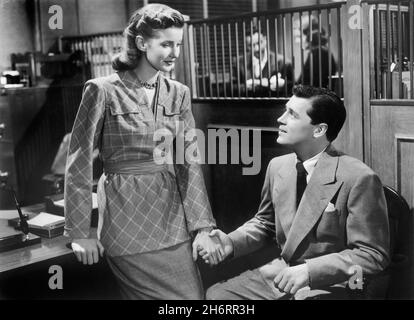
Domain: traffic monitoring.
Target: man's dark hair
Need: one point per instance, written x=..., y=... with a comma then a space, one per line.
x=327, y=108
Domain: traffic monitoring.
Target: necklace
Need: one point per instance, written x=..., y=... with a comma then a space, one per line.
x=147, y=85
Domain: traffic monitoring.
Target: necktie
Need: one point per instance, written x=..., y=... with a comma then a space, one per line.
x=256, y=68
x=300, y=182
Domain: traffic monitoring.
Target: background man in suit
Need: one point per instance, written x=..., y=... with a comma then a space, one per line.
x=326, y=210
x=263, y=66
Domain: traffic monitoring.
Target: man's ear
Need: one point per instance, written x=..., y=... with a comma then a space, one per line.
x=141, y=43
x=320, y=130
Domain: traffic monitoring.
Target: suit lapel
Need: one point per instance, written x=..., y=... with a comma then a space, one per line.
x=285, y=199
x=163, y=91
x=320, y=190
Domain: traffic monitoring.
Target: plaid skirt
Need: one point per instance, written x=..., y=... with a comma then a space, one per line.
x=166, y=274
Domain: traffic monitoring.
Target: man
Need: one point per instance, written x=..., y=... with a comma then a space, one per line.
x=261, y=66
x=326, y=210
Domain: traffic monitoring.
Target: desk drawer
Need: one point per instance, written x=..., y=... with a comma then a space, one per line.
x=7, y=165
x=5, y=124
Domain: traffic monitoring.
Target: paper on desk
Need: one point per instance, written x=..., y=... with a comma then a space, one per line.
x=9, y=214
x=44, y=219
x=61, y=203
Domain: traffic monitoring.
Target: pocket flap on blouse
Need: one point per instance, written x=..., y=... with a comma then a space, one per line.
x=124, y=108
x=170, y=111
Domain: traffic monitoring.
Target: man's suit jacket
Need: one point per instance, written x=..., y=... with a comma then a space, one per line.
x=341, y=220
x=285, y=70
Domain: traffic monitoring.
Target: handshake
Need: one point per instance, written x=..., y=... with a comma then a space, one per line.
x=212, y=246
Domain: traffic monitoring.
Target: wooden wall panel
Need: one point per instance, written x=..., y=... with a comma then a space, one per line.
x=392, y=157
x=392, y=128
x=15, y=30
x=404, y=166
x=98, y=16
x=49, y=36
x=81, y=17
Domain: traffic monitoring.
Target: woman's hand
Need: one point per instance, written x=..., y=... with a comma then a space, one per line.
x=226, y=245
x=209, y=245
x=88, y=250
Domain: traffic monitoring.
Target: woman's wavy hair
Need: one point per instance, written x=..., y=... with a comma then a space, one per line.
x=144, y=22
x=311, y=31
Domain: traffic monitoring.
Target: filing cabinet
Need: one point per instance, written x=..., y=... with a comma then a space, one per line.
x=33, y=122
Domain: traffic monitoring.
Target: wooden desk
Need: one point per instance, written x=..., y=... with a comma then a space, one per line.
x=24, y=272
x=45, y=250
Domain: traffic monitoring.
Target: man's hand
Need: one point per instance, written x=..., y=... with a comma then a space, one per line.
x=88, y=250
x=256, y=83
x=226, y=245
x=210, y=245
x=280, y=82
x=291, y=279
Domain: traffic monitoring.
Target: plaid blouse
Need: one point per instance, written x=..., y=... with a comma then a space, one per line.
x=141, y=212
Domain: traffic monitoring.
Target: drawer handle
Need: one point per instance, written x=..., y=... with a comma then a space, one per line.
x=2, y=129
x=3, y=178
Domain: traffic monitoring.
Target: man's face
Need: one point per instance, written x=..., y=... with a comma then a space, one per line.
x=255, y=40
x=295, y=126
x=164, y=48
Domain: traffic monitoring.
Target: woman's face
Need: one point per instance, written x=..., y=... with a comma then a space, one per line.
x=163, y=48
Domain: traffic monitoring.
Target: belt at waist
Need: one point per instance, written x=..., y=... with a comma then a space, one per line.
x=134, y=167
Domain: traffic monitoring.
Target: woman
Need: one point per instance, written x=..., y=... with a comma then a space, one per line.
x=315, y=44
x=149, y=213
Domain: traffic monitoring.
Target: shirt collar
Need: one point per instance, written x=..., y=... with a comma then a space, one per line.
x=310, y=164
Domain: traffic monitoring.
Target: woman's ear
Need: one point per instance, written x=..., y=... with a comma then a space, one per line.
x=141, y=43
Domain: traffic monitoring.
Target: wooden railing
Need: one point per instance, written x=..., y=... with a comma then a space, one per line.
x=392, y=49
x=217, y=63
x=221, y=65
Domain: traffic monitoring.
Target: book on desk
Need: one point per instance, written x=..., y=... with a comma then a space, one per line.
x=42, y=224
x=51, y=223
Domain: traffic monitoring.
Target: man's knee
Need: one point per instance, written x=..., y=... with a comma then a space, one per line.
x=216, y=292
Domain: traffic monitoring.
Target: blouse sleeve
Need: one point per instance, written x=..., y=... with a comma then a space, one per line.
x=78, y=176
x=190, y=180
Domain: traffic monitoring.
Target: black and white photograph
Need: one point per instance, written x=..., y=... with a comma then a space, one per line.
x=206, y=155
